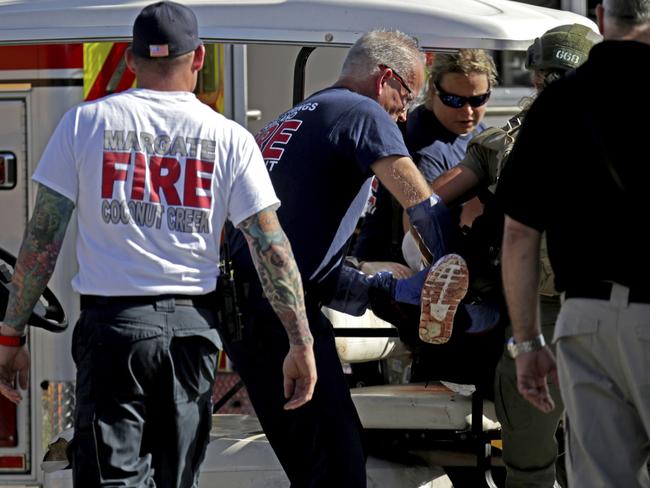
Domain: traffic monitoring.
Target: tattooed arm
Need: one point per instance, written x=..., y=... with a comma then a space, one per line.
x=282, y=285
x=36, y=260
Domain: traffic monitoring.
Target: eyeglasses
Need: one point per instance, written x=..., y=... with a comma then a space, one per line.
x=410, y=96
x=399, y=78
x=456, y=101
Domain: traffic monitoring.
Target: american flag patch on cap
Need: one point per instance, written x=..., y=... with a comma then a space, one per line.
x=158, y=50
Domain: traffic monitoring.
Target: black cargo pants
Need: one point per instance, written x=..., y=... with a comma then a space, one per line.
x=319, y=444
x=143, y=394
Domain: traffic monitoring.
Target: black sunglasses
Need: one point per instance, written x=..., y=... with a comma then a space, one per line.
x=399, y=78
x=456, y=101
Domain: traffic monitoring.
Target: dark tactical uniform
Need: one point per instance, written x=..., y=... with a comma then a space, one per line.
x=529, y=444
x=528, y=463
x=598, y=251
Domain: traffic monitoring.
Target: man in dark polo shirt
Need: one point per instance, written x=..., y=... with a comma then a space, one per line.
x=577, y=171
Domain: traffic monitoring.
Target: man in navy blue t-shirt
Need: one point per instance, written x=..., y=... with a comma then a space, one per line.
x=321, y=156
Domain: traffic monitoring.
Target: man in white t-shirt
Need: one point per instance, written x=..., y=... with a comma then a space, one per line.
x=153, y=174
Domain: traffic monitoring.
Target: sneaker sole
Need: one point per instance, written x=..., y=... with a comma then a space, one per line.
x=444, y=288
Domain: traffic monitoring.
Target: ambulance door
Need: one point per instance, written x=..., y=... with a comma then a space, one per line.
x=16, y=437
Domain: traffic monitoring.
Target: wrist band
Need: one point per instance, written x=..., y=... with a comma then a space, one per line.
x=13, y=341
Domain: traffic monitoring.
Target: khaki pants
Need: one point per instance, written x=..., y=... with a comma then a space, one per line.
x=603, y=352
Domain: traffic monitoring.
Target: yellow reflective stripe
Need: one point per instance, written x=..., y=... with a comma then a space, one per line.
x=210, y=83
x=95, y=54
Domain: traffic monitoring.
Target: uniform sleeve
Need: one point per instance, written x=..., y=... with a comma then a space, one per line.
x=252, y=190
x=57, y=168
x=526, y=182
x=482, y=156
x=366, y=133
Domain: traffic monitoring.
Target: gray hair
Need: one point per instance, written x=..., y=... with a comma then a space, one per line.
x=631, y=12
x=392, y=48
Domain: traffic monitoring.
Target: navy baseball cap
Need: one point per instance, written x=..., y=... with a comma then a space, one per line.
x=165, y=30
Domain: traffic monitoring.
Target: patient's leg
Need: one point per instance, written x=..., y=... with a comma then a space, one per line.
x=429, y=297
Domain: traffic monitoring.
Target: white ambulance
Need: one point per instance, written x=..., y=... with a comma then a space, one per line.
x=264, y=55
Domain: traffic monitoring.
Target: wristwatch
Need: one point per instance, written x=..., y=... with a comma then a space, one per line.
x=517, y=348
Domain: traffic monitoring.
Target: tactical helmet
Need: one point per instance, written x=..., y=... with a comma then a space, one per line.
x=565, y=47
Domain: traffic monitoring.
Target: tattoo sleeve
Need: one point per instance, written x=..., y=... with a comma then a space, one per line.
x=278, y=273
x=38, y=253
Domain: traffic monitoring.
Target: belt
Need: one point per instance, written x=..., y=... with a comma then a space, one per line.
x=602, y=290
x=197, y=301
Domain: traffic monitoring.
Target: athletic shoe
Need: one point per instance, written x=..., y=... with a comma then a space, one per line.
x=444, y=288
